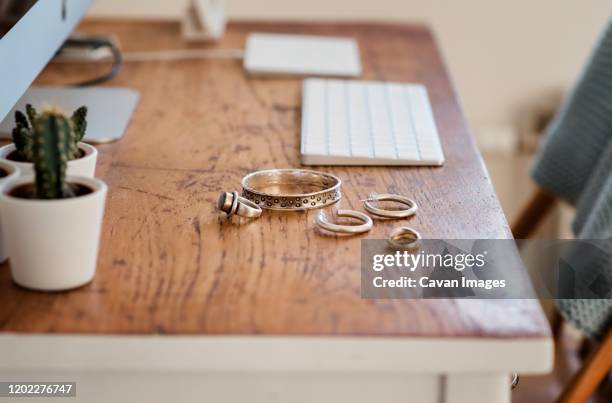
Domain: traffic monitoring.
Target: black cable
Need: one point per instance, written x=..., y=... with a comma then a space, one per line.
x=93, y=42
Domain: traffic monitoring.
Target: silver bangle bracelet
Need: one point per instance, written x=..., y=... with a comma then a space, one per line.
x=291, y=189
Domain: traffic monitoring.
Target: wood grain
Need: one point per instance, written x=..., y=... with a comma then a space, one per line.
x=170, y=265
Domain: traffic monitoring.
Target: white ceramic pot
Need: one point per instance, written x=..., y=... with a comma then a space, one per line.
x=12, y=173
x=84, y=166
x=53, y=244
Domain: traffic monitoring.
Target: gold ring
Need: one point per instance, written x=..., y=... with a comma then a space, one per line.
x=230, y=203
x=321, y=221
x=404, y=238
x=371, y=207
x=291, y=189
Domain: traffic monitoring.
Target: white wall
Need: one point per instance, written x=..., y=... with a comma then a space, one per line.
x=500, y=52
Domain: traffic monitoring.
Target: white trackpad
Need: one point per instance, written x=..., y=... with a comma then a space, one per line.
x=302, y=55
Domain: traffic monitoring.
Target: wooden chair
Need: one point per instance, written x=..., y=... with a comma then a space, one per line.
x=599, y=362
x=593, y=371
x=538, y=206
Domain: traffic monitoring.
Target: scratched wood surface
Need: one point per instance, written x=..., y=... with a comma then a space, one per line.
x=169, y=264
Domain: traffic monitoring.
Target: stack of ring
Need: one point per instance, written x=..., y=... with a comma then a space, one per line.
x=404, y=238
x=411, y=210
x=231, y=203
x=321, y=221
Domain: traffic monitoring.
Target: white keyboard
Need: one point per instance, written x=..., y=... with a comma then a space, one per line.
x=348, y=122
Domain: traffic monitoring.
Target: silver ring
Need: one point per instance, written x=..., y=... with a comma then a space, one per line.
x=231, y=203
x=321, y=221
x=411, y=210
x=234, y=207
x=404, y=238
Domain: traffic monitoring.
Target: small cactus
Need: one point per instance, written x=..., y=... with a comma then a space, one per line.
x=21, y=137
x=52, y=143
x=31, y=112
x=23, y=132
x=79, y=121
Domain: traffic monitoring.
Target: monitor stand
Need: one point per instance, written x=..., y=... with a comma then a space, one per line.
x=109, y=108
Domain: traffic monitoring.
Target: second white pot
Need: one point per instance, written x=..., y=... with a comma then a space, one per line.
x=12, y=173
x=53, y=244
x=84, y=166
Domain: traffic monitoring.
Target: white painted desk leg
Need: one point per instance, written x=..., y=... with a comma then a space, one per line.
x=477, y=388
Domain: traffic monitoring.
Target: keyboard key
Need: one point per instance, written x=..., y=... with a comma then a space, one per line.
x=408, y=153
x=337, y=112
x=361, y=152
x=399, y=110
x=422, y=115
x=358, y=111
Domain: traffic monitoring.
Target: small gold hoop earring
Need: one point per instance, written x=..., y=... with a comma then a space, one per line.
x=370, y=205
x=404, y=238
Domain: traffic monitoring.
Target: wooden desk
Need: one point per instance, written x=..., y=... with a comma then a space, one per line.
x=251, y=294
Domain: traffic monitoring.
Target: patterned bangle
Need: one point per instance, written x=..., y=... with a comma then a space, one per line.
x=291, y=189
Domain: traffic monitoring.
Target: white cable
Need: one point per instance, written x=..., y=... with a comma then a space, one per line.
x=100, y=56
x=183, y=54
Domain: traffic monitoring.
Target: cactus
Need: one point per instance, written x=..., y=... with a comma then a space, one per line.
x=21, y=137
x=79, y=121
x=23, y=133
x=52, y=143
x=31, y=112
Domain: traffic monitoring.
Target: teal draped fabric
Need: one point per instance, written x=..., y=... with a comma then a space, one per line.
x=575, y=163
